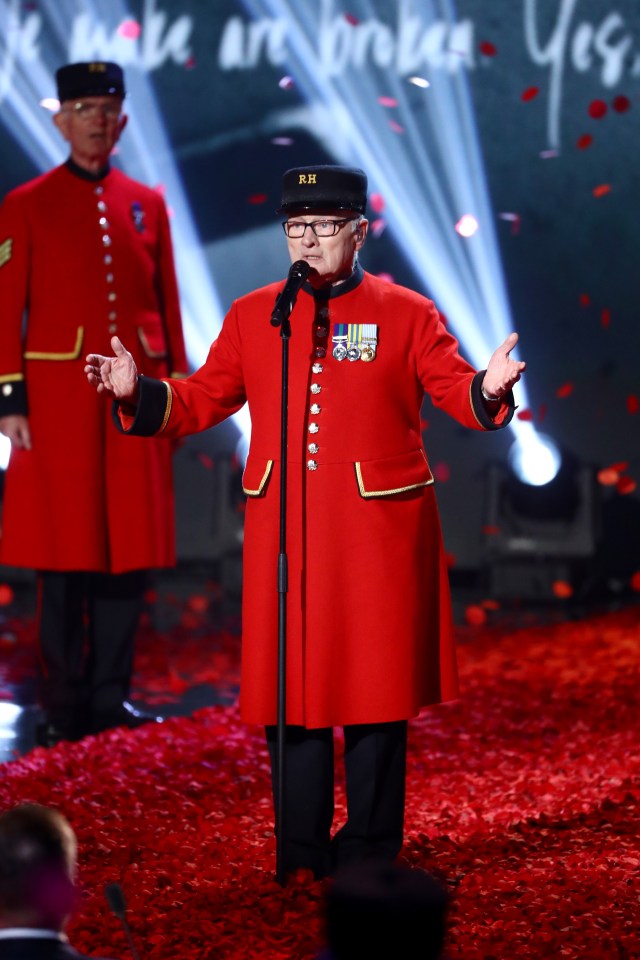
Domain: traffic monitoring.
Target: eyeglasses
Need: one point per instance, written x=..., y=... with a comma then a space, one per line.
x=90, y=111
x=322, y=228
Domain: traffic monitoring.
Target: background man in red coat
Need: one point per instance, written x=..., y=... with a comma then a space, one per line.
x=369, y=623
x=85, y=253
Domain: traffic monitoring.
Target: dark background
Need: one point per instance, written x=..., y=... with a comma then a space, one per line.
x=573, y=256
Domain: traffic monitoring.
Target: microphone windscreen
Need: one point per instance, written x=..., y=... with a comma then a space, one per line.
x=300, y=269
x=115, y=899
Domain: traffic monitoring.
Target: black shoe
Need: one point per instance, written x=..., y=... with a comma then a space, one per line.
x=125, y=715
x=48, y=734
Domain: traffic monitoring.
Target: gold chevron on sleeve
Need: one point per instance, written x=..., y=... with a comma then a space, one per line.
x=5, y=251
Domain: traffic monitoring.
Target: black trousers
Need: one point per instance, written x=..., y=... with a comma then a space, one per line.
x=86, y=630
x=375, y=770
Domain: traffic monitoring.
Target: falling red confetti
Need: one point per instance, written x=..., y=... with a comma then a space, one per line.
x=129, y=29
x=602, y=189
x=597, y=109
x=6, y=595
x=161, y=189
x=530, y=93
x=562, y=589
x=605, y=317
x=257, y=198
x=608, y=477
x=585, y=299
x=526, y=415
x=198, y=603
x=475, y=615
x=621, y=104
x=377, y=202
x=584, y=141
x=542, y=412
x=387, y=101
x=378, y=226
x=286, y=83
x=633, y=403
x=488, y=49
x=442, y=472
x=490, y=604
x=513, y=218
x=190, y=63
x=205, y=460
x=626, y=485
x=620, y=466
x=634, y=582
x=565, y=390
x=490, y=530
x=352, y=19
x=396, y=127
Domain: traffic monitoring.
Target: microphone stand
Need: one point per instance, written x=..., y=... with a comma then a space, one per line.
x=280, y=318
x=283, y=577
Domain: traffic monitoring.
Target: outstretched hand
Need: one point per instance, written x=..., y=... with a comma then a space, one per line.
x=117, y=376
x=502, y=371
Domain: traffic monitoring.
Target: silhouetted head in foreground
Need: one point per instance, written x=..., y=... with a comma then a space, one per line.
x=377, y=910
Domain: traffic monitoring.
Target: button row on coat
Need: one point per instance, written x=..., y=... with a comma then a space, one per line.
x=104, y=225
x=315, y=388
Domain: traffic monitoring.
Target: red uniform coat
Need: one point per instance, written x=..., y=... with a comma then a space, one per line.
x=370, y=636
x=85, y=259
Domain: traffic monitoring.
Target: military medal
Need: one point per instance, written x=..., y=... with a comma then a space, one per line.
x=353, y=341
x=369, y=340
x=339, y=340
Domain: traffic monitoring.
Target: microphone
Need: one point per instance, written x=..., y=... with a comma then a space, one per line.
x=298, y=273
x=115, y=899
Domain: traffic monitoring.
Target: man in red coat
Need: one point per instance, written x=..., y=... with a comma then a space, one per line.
x=369, y=624
x=85, y=253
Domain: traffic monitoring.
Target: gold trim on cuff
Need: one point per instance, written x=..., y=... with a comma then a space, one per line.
x=12, y=378
x=167, y=409
x=152, y=354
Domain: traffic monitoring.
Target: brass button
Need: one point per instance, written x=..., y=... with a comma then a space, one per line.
x=315, y=408
x=102, y=206
x=107, y=258
x=113, y=327
x=313, y=428
x=106, y=240
x=317, y=368
x=313, y=448
x=312, y=464
x=320, y=352
x=104, y=223
x=98, y=191
x=111, y=296
x=315, y=388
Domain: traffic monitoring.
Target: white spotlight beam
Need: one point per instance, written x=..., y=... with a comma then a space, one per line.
x=429, y=176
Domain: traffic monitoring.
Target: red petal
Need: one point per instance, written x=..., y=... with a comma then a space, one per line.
x=258, y=198
x=530, y=93
x=6, y=594
x=608, y=477
x=602, y=189
x=605, y=317
x=525, y=414
x=562, y=589
x=352, y=19
x=475, y=615
x=584, y=141
x=621, y=104
x=597, y=109
x=585, y=299
x=488, y=49
x=635, y=581
x=633, y=403
x=626, y=485
x=565, y=390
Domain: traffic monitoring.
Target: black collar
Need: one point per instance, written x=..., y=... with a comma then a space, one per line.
x=79, y=171
x=330, y=292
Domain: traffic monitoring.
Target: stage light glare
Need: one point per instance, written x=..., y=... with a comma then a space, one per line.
x=5, y=452
x=50, y=104
x=467, y=225
x=534, y=460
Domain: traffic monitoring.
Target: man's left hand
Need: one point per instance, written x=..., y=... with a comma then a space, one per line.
x=502, y=371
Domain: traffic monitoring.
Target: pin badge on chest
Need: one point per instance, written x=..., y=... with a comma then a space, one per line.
x=369, y=342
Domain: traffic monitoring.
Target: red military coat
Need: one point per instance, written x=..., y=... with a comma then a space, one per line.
x=85, y=259
x=370, y=635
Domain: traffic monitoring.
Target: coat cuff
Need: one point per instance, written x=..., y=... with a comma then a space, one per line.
x=13, y=396
x=152, y=412
x=504, y=412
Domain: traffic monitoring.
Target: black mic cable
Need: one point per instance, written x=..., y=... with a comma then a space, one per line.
x=115, y=899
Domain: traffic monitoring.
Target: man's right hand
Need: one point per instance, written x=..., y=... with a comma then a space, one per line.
x=15, y=426
x=117, y=376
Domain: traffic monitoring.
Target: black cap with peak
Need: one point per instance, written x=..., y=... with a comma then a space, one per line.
x=323, y=188
x=99, y=78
